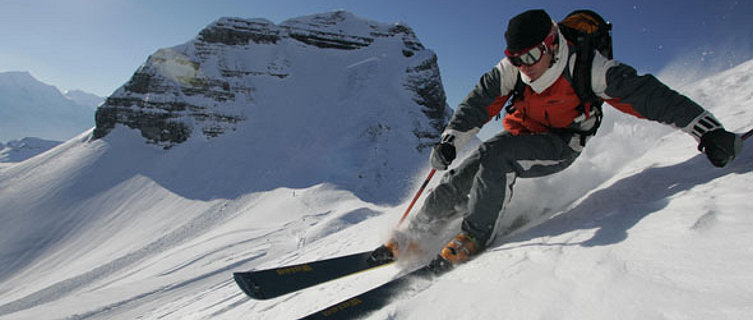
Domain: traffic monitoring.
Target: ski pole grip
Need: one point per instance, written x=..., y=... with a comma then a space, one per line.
x=415, y=198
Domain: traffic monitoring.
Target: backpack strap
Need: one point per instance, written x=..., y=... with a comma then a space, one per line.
x=584, y=56
x=516, y=94
x=590, y=104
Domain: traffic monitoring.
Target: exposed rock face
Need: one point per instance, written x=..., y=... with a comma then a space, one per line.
x=209, y=86
x=424, y=81
x=168, y=98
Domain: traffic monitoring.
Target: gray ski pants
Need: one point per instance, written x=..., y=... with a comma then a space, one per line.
x=481, y=185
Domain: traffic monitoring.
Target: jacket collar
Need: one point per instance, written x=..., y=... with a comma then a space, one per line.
x=554, y=72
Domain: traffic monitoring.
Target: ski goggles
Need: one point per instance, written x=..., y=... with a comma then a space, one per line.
x=528, y=57
x=534, y=54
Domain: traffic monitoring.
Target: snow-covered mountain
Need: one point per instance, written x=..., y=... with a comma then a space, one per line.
x=239, y=72
x=342, y=113
x=20, y=150
x=641, y=227
x=330, y=97
x=84, y=98
x=30, y=108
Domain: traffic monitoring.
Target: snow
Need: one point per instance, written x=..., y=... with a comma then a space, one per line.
x=641, y=227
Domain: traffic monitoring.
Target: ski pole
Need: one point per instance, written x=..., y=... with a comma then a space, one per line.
x=418, y=194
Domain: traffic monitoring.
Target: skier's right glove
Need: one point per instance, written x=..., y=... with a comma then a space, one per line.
x=446, y=150
x=443, y=153
x=720, y=146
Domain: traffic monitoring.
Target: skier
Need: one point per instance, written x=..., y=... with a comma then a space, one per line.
x=546, y=128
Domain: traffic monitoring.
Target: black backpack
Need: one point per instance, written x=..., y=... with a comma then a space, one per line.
x=588, y=32
x=588, y=27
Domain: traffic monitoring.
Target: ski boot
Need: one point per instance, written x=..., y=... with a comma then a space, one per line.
x=457, y=251
x=460, y=249
x=384, y=254
x=392, y=250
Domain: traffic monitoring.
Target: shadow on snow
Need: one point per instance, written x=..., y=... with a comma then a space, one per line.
x=614, y=210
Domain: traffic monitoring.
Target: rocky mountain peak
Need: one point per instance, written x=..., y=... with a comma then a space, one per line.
x=216, y=82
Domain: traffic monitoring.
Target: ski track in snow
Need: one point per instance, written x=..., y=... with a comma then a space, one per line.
x=149, y=295
x=53, y=292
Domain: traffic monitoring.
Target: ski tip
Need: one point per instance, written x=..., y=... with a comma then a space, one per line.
x=247, y=285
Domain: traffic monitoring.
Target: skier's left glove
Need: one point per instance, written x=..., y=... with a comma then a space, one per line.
x=720, y=146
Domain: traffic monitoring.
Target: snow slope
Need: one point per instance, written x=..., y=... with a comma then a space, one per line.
x=641, y=227
x=667, y=237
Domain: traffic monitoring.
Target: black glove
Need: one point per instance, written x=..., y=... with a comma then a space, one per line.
x=443, y=154
x=720, y=146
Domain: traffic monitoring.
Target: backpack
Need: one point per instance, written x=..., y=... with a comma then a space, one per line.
x=588, y=28
x=588, y=32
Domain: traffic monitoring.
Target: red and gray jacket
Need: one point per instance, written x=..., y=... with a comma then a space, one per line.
x=550, y=102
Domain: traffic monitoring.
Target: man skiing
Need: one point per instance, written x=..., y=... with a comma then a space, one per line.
x=546, y=128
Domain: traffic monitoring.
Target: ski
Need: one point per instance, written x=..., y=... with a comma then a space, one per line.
x=376, y=298
x=271, y=283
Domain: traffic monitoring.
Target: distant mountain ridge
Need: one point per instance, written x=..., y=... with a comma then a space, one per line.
x=30, y=108
x=84, y=98
x=20, y=150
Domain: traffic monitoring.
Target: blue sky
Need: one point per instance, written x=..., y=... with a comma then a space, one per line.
x=96, y=45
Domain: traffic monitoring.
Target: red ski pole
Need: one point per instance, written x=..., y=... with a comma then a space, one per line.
x=418, y=194
x=747, y=134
